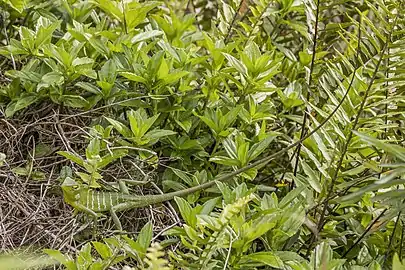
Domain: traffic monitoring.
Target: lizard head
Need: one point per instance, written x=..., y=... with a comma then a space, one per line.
x=71, y=189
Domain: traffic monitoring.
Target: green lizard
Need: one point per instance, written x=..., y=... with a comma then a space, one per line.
x=93, y=202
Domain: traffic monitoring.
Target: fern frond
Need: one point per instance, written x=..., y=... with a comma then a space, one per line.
x=154, y=258
x=223, y=220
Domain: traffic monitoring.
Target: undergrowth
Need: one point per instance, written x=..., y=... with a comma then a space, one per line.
x=168, y=95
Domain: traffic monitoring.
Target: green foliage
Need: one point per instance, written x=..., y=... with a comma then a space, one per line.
x=202, y=90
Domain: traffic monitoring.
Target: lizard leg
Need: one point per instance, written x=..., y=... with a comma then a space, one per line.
x=86, y=210
x=118, y=208
x=145, y=180
x=90, y=212
x=123, y=187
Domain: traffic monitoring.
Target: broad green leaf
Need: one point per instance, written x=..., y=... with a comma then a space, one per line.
x=291, y=196
x=145, y=236
x=24, y=171
x=159, y=133
x=133, y=77
x=225, y=161
x=261, y=146
x=262, y=259
x=230, y=117
x=108, y=72
x=175, y=76
x=74, y=101
x=385, y=182
x=89, y=87
x=51, y=79
x=238, y=65
x=230, y=148
x=18, y=5
x=110, y=157
x=183, y=176
x=209, y=205
x=76, y=159
x=313, y=177
x=83, y=61
x=121, y=128
x=20, y=104
x=395, y=150
x=186, y=212
x=137, y=12
x=111, y=8
x=397, y=264
x=139, y=122
x=102, y=249
x=41, y=150
x=210, y=123
x=146, y=35
x=61, y=258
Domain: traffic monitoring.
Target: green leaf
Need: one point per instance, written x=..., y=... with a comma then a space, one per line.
x=186, y=212
x=88, y=87
x=261, y=146
x=183, y=176
x=41, y=150
x=76, y=159
x=385, y=182
x=108, y=72
x=174, y=77
x=238, y=65
x=121, y=128
x=261, y=259
x=225, y=161
x=18, y=5
x=51, y=79
x=145, y=236
x=396, y=263
x=23, y=102
x=209, y=205
x=133, y=77
x=61, y=258
x=291, y=196
x=137, y=12
x=21, y=171
x=139, y=122
x=395, y=150
x=313, y=177
x=159, y=133
x=93, y=148
x=111, y=8
x=146, y=35
x=74, y=101
x=102, y=249
x=111, y=156
x=2, y=158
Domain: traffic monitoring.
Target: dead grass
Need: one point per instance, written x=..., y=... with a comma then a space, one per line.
x=32, y=211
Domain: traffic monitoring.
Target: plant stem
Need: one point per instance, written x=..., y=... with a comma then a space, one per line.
x=365, y=232
x=355, y=123
x=311, y=70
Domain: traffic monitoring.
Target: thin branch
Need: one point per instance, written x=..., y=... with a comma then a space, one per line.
x=392, y=237
x=124, y=17
x=255, y=24
x=329, y=195
x=235, y=16
x=402, y=240
x=354, y=127
x=365, y=232
x=311, y=70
